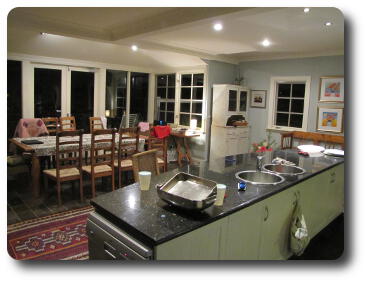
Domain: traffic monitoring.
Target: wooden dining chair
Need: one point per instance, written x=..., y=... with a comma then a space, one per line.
x=67, y=123
x=68, y=161
x=127, y=146
x=102, y=156
x=145, y=161
x=52, y=125
x=161, y=146
x=95, y=123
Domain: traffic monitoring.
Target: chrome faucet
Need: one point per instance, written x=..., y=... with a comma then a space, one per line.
x=259, y=162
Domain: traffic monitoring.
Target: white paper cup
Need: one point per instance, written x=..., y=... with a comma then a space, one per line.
x=221, y=190
x=144, y=180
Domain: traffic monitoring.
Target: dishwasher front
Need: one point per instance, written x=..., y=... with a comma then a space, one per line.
x=107, y=241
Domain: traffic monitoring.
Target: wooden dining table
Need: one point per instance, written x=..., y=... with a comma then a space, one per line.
x=48, y=148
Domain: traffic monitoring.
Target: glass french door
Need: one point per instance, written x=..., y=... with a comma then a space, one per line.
x=61, y=91
x=50, y=91
x=81, y=91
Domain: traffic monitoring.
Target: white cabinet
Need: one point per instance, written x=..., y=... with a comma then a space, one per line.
x=229, y=100
x=229, y=141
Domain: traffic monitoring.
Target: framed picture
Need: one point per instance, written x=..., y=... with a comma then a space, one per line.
x=332, y=89
x=330, y=119
x=258, y=98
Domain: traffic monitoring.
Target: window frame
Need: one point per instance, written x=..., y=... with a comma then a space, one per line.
x=165, y=100
x=178, y=100
x=274, y=81
x=190, y=100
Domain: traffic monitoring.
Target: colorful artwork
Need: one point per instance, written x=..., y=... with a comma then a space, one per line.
x=332, y=89
x=330, y=119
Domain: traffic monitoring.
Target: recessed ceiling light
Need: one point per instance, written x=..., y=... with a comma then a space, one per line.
x=218, y=26
x=306, y=10
x=134, y=47
x=328, y=24
x=265, y=42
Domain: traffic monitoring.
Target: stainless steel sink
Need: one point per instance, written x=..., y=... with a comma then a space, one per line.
x=284, y=170
x=259, y=177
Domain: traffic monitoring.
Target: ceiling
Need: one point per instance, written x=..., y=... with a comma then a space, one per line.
x=176, y=37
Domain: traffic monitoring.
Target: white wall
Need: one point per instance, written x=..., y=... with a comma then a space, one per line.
x=257, y=76
x=217, y=73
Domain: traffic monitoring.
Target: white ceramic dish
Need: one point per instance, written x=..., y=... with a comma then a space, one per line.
x=310, y=148
x=334, y=152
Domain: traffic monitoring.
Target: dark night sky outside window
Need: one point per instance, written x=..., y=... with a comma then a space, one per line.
x=290, y=104
x=139, y=95
x=14, y=95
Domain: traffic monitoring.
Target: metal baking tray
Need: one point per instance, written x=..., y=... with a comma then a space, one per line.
x=188, y=191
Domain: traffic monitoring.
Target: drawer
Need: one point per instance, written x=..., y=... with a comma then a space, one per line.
x=243, y=132
x=231, y=133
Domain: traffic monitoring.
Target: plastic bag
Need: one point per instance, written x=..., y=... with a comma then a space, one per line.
x=299, y=237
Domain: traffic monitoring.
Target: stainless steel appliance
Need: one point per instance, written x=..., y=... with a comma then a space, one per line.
x=188, y=191
x=107, y=241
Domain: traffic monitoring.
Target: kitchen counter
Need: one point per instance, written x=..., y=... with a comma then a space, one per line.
x=147, y=218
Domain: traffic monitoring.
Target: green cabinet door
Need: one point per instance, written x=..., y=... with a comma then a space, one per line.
x=322, y=198
x=276, y=219
x=241, y=240
x=336, y=191
x=201, y=244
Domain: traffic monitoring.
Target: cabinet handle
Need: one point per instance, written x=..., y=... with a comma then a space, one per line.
x=266, y=213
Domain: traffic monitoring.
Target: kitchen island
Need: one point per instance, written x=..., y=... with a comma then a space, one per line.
x=253, y=224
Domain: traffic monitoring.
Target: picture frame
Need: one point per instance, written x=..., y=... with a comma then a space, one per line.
x=258, y=99
x=332, y=89
x=330, y=119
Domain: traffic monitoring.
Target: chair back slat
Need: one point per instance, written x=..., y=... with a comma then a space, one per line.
x=100, y=148
x=67, y=123
x=68, y=157
x=145, y=161
x=127, y=149
x=52, y=124
x=95, y=123
x=160, y=144
x=291, y=139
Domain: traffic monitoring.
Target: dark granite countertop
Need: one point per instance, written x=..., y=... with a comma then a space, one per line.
x=149, y=219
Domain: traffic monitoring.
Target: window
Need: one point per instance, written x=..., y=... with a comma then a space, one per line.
x=139, y=95
x=47, y=92
x=289, y=100
x=191, y=99
x=82, y=98
x=116, y=86
x=166, y=87
x=14, y=95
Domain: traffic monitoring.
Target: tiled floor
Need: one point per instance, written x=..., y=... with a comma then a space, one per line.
x=22, y=206
x=327, y=245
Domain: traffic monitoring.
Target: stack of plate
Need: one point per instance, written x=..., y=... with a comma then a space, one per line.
x=311, y=150
x=334, y=152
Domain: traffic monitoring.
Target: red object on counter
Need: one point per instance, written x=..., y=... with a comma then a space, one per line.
x=161, y=131
x=303, y=153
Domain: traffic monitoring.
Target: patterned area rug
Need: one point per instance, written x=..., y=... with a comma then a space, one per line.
x=58, y=236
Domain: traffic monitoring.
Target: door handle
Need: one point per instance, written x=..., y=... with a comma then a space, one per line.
x=266, y=213
x=108, y=249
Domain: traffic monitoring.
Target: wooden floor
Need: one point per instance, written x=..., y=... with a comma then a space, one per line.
x=327, y=245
